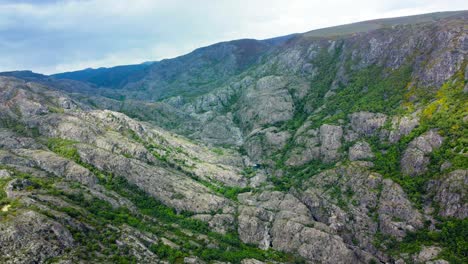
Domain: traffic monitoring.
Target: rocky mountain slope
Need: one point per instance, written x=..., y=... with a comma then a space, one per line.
x=341, y=145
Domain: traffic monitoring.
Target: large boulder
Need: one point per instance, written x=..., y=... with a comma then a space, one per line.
x=366, y=123
x=359, y=151
x=396, y=213
x=415, y=158
x=220, y=130
x=402, y=126
x=261, y=143
x=330, y=142
x=316, y=144
x=451, y=194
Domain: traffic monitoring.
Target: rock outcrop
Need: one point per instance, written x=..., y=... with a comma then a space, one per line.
x=360, y=151
x=415, y=160
x=273, y=219
x=293, y=144
x=366, y=123
x=451, y=194
x=31, y=237
x=316, y=144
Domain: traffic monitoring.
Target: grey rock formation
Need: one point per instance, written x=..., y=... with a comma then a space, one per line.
x=359, y=151
x=415, y=160
x=261, y=143
x=366, y=123
x=396, y=213
x=273, y=219
x=451, y=194
x=52, y=163
x=4, y=174
x=401, y=127
x=161, y=183
x=266, y=103
x=31, y=237
x=252, y=261
x=266, y=115
x=221, y=130
x=322, y=144
x=309, y=142
x=426, y=254
x=330, y=142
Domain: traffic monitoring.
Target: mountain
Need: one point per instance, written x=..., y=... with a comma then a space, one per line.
x=339, y=145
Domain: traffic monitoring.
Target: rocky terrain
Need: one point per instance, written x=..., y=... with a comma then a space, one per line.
x=340, y=145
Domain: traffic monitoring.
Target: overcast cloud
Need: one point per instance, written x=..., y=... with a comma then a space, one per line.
x=50, y=36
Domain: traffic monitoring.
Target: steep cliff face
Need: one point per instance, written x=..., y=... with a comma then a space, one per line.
x=341, y=145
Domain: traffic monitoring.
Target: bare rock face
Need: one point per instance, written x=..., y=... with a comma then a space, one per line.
x=132, y=238
x=263, y=142
x=426, y=254
x=343, y=198
x=221, y=223
x=220, y=130
x=402, y=126
x=266, y=103
x=310, y=150
x=415, y=160
x=252, y=261
x=451, y=194
x=30, y=237
x=254, y=226
x=359, y=151
x=281, y=221
x=448, y=62
x=52, y=163
x=357, y=203
x=366, y=123
x=4, y=174
x=330, y=142
x=396, y=213
x=170, y=187
x=9, y=140
x=438, y=261
x=316, y=144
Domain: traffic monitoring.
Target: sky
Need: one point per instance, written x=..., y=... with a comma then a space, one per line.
x=51, y=36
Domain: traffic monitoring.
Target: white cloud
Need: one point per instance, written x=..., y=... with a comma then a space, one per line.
x=69, y=35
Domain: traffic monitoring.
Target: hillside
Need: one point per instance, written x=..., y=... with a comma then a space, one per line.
x=340, y=145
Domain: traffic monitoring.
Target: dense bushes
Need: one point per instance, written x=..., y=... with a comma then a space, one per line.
x=64, y=148
x=102, y=214
x=450, y=234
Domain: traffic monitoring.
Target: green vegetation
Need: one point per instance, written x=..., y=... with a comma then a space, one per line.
x=226, y=191
x=321, y=83
x=295, y=176
x=218, y=151
x=379, y=90
x=230, y=248
x=19, y=127
x=3, y=196
x=450, y=234
x=445, y=113
x=248, y=172
x=64, y=148
x=101, y=214
x=372, y=89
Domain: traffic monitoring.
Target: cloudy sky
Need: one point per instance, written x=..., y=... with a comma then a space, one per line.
x=50, y=36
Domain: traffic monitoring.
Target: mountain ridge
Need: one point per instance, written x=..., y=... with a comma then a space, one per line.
x=348, y=149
